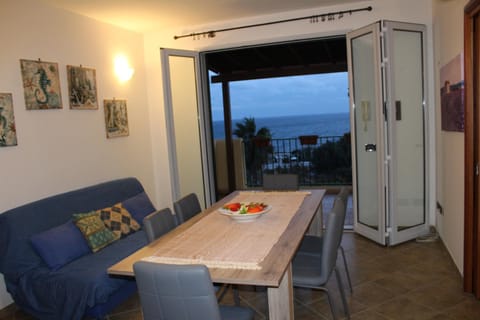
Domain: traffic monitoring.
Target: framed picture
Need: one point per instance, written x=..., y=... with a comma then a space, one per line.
x=116, y=121
x=41, y=85
x=452, y=95
x=82, y=88
x=8, y=133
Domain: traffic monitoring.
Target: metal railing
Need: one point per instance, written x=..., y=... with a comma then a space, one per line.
x=317, y=160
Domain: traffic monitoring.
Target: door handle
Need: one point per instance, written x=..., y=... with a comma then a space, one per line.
x=370, y=147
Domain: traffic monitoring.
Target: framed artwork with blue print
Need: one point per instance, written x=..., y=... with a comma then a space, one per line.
x=41, y=85
x=8, y=133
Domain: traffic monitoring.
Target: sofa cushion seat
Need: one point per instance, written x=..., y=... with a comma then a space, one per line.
x=79, y=285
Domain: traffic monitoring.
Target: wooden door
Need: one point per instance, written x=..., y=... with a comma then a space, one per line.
x=471, y=270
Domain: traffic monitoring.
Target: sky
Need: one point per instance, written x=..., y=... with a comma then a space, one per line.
x=299, y=95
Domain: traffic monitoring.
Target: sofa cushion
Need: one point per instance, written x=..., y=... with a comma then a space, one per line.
x=139, y=206
x=60, y=245
x=94, y=230
x=118, y=220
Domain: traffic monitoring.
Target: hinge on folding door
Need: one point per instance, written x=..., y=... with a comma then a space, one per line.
x=476, y=169
x=388, y=231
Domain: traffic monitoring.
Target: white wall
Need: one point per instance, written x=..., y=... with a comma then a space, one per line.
x=61, y=150
x=406, y=10
x=448, y=29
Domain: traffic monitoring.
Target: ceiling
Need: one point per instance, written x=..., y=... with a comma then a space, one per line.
x=273, y=60
x=147, y=15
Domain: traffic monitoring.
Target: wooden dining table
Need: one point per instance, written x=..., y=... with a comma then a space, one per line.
x=273, y=271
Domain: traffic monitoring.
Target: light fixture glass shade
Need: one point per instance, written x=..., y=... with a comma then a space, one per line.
x=123, y=70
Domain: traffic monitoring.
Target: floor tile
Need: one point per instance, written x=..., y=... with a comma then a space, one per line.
x=402, y=308
x=467, y=310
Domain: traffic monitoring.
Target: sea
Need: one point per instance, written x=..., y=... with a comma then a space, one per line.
x=330, y=124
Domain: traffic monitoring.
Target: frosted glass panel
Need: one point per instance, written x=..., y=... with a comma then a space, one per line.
x=365, y=129
x=186, y=125
x=408, y=122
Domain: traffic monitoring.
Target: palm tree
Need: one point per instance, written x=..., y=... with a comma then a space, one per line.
x=255, y=154
x=248, y=130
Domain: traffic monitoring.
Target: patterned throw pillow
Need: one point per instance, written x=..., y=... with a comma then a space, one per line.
x=94, y=230
x=118, y=220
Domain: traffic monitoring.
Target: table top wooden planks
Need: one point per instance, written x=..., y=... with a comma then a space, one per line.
x=273, y=266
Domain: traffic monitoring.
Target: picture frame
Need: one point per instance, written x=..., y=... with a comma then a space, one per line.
x=116, y=119
x=41, y=85
x=452, y=95
x=82, y=88
x=8, y=132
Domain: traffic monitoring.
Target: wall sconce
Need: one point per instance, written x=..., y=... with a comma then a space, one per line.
x=123, y=70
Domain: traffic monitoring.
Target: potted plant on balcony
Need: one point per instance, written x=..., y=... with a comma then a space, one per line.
x=308, y=140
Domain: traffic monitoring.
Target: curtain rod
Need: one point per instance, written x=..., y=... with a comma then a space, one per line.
x=313, y=19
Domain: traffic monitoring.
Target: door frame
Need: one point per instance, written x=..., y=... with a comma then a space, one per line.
x=471, y=268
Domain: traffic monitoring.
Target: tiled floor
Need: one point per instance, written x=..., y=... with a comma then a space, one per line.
x=412, y=281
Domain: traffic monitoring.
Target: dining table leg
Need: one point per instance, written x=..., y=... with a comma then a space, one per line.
x=280, y=299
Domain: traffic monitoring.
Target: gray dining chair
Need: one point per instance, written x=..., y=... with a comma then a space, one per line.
x=186, y=207
x=311, y=243
x=158, y=223
x=181, y=292
x=314, y=270
x=280, y=181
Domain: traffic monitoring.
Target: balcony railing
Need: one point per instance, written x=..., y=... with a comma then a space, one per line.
x=317, y=160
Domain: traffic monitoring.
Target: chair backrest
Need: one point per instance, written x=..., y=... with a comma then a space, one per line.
x=187, y=207
x=344, y=193
x=340, y=209
x=331, y=239
x=158, y=223
x=175, y=292
x=280, y=181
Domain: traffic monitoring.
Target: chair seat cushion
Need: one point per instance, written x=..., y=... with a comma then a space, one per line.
x=307, y=270
x=235, y=313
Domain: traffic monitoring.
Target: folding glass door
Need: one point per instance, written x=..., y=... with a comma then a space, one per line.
x=387, y=95
x=189, y=150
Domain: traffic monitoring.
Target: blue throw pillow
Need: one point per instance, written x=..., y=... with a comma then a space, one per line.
x=139, y=206
x=60, y=245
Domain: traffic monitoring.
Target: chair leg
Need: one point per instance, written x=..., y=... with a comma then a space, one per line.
x=221, y=292
x=346, y=269
x=342, y=293
x=330, y=303
x=236, y=295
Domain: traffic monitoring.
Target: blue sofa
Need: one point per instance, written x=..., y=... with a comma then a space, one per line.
x=77, y=287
